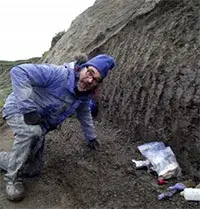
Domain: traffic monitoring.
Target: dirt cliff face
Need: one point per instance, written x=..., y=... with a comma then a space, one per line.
x=154, y=92
x=95, y=26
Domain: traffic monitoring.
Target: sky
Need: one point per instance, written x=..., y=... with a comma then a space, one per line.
x=28, y=26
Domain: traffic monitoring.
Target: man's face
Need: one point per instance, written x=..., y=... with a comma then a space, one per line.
x=89, y=79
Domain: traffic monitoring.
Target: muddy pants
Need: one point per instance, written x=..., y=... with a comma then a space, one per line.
x=26, y=157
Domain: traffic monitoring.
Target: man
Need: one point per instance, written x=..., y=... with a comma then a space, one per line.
x=43, y=97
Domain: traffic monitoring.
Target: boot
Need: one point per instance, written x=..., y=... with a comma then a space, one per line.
x=15, y=191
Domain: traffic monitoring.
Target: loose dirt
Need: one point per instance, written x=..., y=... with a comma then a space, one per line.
x=75, y=177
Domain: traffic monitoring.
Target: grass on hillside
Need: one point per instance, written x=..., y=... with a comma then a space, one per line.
x=3, y=95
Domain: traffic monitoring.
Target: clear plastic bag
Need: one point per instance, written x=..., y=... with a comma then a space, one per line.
x=162, y=159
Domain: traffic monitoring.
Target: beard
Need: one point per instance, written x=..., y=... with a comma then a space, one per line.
x=83, y=85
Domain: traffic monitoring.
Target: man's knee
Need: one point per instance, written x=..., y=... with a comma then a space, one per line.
x=33, y=130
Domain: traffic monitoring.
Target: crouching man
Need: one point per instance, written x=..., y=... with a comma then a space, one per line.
x=43, y=96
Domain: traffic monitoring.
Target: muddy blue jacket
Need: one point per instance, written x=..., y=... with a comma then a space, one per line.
x=49, y=90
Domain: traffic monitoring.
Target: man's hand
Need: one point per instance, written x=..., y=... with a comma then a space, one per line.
x=32, y=118
x=94, y=144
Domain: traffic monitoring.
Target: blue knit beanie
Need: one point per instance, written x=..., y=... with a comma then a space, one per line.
x=103, y=63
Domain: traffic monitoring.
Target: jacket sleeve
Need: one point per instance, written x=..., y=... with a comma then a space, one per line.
x=24, y=77
x=85, y=118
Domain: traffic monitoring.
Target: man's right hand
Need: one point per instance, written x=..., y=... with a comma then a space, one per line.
x=94, y=144
x=32, y=118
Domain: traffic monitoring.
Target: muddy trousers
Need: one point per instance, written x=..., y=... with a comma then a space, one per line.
x=26, y=157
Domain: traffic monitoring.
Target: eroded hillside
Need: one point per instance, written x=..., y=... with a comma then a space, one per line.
x=154, y=93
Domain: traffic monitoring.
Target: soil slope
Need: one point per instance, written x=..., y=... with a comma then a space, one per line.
x=77, y=178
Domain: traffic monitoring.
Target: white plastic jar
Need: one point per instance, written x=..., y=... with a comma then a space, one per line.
x=191, y=194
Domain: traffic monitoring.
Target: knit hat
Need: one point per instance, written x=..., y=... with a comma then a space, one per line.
x=103, y=63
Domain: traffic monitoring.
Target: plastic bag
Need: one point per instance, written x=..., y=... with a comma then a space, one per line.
x=162, y=159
